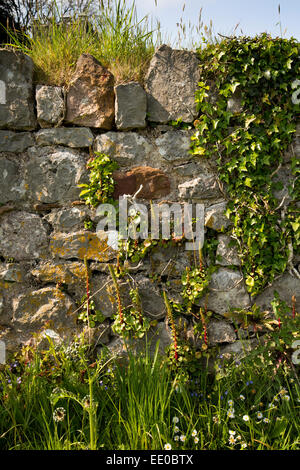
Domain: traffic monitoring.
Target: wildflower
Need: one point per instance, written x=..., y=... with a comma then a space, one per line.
x=19, y=380
x=259, y=415
x=231, y=440
x=239, y=437
x=216, y=419
x=175, y=420
x=230, y=413
x=243, y=445
x=246, y=418
x=182, y=438
x=232, y=433
x=176, y=429
x=196, y=440
x=59, y=414
x=168, y=446
x=266, y=420
x=176, y=438
x=194, y=433
x=86, y=401
x=283, y=391
x=286, y=397
x=230, y=403
x=242, y=397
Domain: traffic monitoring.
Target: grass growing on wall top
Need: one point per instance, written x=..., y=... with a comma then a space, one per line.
x=115, y=37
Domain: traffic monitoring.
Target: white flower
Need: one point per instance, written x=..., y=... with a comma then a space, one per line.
x=242, y=397
x=176, y=429
x=196, y=440
x=175, y=420
x=231, y=440
x=176, y=438
x=168, y=446
x=243, y=445
x=230, y=413
x=286, y=397
x=259, y=415
x=194, y=433
x=230, y=403
x=59, y=414
x=266, y=420
x=267, y=74
x=239, y=437
x=246, y=418
x=232, y=433
x=182, y=438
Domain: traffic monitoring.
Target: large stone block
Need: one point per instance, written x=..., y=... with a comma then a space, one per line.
x=127, y=148
x=174, y=146
x=227, y=253
x=205, y=187
x=70, y=273
x=155, y=183
x=22, y=236
x=91, y=98
x=17, y=98
x=215, y=217
x=171, y=83
x=69, y=136
x=68, y=219
x=50, y=105
x=79, y=245
x=219, y=331
x=286, y=286
x=15, y=141
x=131, y=106
x=11, y=189
x=226, y=290
x=34, y=309
x=52, y=174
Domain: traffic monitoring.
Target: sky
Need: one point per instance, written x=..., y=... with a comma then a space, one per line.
x=253, y=16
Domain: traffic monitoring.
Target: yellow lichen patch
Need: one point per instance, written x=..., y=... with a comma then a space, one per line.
x=65, y=273
x=80, y=245
x=4, y=285
x=209, y=222
x=12, y=273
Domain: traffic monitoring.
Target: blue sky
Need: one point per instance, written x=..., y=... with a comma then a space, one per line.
x=253, y=16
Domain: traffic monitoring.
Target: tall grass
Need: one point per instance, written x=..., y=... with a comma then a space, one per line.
x=114, y=36
x=138, y=403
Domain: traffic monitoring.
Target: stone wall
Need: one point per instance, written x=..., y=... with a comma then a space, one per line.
x=46, y=136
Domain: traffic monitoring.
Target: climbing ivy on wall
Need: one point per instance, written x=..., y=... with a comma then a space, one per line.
x=250, y=143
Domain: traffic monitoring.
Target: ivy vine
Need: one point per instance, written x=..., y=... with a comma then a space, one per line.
x=250, y=146
x=101, y=183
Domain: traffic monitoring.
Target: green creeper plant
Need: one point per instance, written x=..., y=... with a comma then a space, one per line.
x=101, y=185
x=250, y=145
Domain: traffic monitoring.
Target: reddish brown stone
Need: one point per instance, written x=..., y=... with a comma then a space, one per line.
x=124, y=184
x=155, y=183
x=91, y=98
